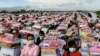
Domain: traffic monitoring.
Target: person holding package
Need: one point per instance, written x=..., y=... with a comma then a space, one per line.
x=72, y=49
x=31, y=49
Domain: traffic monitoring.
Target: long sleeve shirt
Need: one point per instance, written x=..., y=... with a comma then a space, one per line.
x=30, y=51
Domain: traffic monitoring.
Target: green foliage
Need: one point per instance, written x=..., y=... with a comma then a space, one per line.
x=19, y=11
x=3, y=11
x=98, y=12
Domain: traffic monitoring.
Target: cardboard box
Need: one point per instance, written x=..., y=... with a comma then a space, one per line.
x=8, y=45
x=48, y=51
x=10, y=52
x=69, y=33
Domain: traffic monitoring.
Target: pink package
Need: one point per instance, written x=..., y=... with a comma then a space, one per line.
x=95, y=49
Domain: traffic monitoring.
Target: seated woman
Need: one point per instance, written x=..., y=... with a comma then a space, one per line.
x=72, y=49
x=30, y=49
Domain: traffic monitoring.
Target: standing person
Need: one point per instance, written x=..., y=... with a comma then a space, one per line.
x=72, y=49
x=31, y=49
x=96, y=33
x=41, y=37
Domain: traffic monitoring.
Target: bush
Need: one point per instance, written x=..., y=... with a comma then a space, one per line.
x=98, y=12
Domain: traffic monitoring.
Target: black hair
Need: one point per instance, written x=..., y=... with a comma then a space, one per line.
x=89, y=15
x=14, y=30
x=23, y=17
x=47, y=31
x=91, y=25
x=49, y=18
x=41, y=33
x=71, y=43
x=98, y=16
x=26, y=21
x=37, y=18
x=45, y=20
x=10, y=17
x=3, y=20
x=27, y=16
x=30, y=35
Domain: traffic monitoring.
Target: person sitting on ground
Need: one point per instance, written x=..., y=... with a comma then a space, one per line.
x=72, y=49
x=31, y=49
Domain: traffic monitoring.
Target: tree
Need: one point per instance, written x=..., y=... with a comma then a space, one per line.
x=3, y=11
x=22, y=11
x=98, y=12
